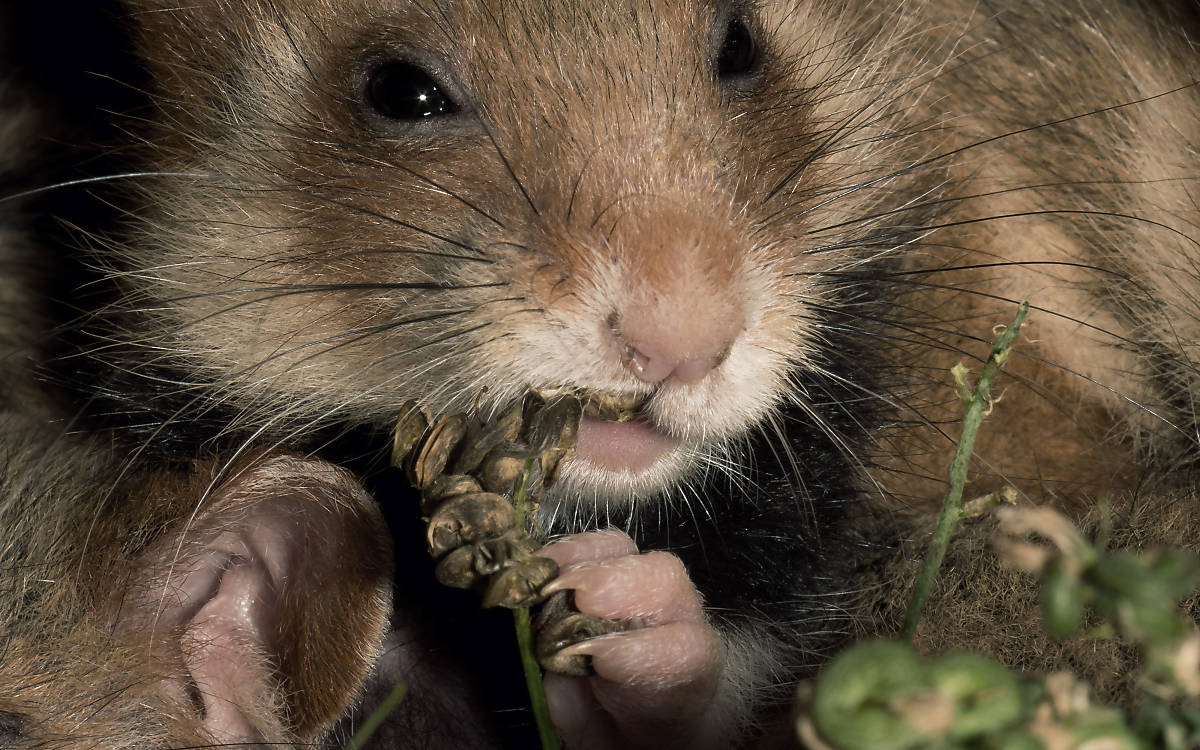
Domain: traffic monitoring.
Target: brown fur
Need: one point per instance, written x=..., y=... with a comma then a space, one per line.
x=909, y=171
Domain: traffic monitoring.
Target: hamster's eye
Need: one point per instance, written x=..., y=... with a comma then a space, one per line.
x=739, y=51
x=402, y=91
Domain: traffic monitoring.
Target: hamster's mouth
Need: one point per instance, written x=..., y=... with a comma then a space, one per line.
x=616, y=434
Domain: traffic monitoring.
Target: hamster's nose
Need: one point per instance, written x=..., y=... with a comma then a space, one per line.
x=683, y=345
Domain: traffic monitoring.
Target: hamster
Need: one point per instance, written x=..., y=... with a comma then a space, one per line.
x=772, y=227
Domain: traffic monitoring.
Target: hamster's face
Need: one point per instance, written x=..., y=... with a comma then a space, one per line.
x=459, y=200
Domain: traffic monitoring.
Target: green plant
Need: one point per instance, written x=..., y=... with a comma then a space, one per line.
x=880, y=695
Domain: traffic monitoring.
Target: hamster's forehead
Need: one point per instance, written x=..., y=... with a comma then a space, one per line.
x=571, y=52
x=536, y=26
x=625, y=52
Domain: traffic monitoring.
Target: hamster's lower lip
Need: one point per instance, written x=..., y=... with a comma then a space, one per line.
x=627, y=447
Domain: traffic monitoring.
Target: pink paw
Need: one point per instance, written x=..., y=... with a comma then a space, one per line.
x=654, y=683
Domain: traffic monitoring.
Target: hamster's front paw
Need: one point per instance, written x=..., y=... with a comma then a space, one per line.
x=655, y=682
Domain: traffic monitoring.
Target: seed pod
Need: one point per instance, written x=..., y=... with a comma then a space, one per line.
x=550, y=462
x=467, y=519
x=458, y=569
x=483, y=437
x=445, y=487
x=464, y=567
x=520, y=585
x=501, y=467
x=433, y=452
x=549, y=394
x=512, y=548
x=552, y=424
x=409, y=428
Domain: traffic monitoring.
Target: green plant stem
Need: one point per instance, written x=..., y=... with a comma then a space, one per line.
x=953, y=504
x=377, y=717
x=533, y=680
x=524, y=629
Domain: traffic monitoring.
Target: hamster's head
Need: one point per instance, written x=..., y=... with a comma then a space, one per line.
x=358, y=204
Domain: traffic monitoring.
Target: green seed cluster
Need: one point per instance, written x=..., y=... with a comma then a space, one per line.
x=879, y=695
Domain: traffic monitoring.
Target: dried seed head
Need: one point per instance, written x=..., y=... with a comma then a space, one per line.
x=468, y=565
x=445, y=487
x=458, y=568
x=549, y=394
x=409, y=428
x=467, y=519
x=611, y=407
x=550, y=462
x=551, y=429
x=501, y=467
x=432, y=454
x=465, y=467
x=484, y=436
x=553, y=424
x=520, y=585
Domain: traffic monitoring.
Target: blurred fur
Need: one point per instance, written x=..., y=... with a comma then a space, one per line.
x=276, y=272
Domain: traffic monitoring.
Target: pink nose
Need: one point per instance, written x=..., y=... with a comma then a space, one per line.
x=683, y=347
